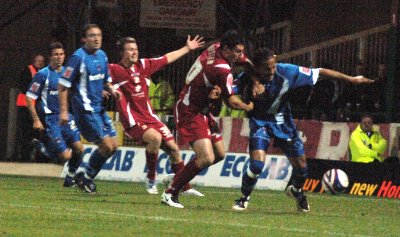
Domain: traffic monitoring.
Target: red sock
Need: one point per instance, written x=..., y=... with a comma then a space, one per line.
x=176, y=168
x=151, y=162
x=184, y=176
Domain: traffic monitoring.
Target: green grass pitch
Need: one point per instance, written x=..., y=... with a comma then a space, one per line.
x=31, y=206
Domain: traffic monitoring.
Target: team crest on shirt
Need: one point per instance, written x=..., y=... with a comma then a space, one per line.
x=68, y=72
x=144, y=127
x=305, y=70
x=138, y=88
x=136, y=79
x=98, y=67
x=34, y=87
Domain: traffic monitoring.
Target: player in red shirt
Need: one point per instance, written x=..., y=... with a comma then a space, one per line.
x=194, y=121
x=131, y=78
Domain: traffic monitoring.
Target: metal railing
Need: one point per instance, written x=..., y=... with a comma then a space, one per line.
x=344, y=53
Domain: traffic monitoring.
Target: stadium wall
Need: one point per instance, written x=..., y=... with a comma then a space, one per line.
x=129, y=164
x=374, y=179
x=324, y=140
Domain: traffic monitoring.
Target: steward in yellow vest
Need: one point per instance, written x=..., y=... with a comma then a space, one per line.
x=366, y=143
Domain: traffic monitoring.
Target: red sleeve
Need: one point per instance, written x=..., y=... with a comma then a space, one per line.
x=113, y=73
x=152, y=65
x=226, y=83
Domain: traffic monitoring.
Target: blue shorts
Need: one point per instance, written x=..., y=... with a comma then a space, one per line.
x=94, y=126
x=285, y=136
x=60, y=137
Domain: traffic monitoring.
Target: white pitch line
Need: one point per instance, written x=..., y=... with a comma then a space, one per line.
x=314, y=195
x=160, y=218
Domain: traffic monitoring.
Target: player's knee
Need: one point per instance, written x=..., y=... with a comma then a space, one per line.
x=204, y=162
x=299, y=162
x=255, y=168
x=107, y=149
x=174, y=153
x=66, y=155
x=301, y=172
x=155, y=141
x=78, y=148
x=219, y=157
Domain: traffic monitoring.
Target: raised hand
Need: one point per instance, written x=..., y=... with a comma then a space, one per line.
x=194, y=43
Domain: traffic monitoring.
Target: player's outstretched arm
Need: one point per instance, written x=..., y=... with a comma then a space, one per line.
x=341, y=76
x=191, y=44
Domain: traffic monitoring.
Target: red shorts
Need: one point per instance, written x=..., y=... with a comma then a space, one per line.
x=136, y=132
x=197, y=126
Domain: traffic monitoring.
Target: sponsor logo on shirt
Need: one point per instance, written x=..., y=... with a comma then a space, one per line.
x=96, y=77
x=53, y=92
x=34, y=87
x=305, y=70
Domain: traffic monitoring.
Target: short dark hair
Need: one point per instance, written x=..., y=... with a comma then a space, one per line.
x=87, y=27
x=262, y=55
x=124, y=40
x=55, y=45
x=231, y=38
x=366, y=115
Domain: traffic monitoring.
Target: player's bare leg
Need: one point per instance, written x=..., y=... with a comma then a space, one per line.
x=177, y=164
x=153, y=140
x=205, y=157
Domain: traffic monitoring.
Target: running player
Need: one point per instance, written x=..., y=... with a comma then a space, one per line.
x=194, y=122
x=271, y=117
x=85, y=77
x=62, y=140
x=131, y=78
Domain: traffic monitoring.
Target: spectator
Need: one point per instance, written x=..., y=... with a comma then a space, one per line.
x=24, y=147
x=374, y=97
x=366, y=143
x=324, y=98
x=161, y=95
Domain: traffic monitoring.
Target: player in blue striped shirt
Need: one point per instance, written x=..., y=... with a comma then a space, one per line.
x=85, y=78
x=272, y=118
x=62, y=140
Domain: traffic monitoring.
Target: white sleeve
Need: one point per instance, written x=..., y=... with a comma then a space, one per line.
x=315, y=75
